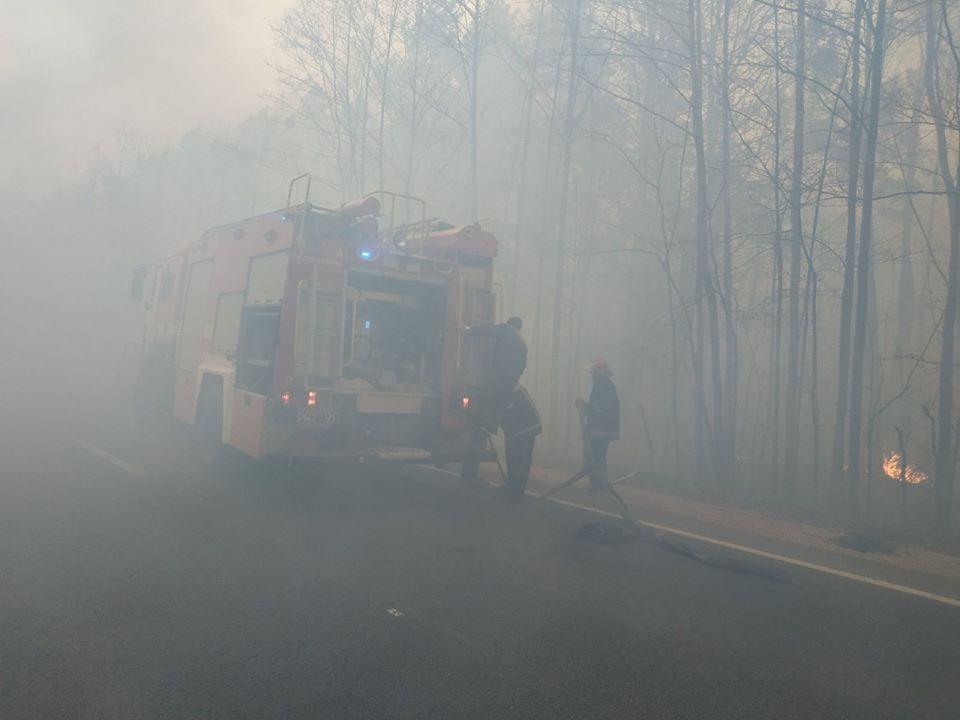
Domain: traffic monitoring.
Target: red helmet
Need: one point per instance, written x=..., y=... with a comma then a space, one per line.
x=600, y=366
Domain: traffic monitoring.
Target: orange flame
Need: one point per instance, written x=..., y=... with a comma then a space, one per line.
x=893, y=465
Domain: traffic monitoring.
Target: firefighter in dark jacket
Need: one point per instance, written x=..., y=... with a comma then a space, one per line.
x=520, y=422
x=600, y=417
x=507, y=364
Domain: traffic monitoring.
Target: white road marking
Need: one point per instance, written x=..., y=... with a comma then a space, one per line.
x=104, y=455
x=623, y=479
x=779, y=558
x=442, y=471
x=905, y=589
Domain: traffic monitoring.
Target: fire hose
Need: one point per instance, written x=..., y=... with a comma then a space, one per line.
x=632, y=529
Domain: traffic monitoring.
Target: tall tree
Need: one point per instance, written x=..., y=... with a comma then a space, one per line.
x=527, y=125
x=938, y=29
x=776, y=361
x=855, y=131
x=796, y=244
x=905, y=289
x=705, y=287
x=729, y=302
x=864, y=254
x=463, y=27
x=566, y=150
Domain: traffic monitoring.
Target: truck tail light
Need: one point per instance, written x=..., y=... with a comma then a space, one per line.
x=285, y=397
x=312, y=398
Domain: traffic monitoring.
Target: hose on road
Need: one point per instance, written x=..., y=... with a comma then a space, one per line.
x=632, y=530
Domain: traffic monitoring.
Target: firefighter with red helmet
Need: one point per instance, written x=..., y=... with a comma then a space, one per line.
x=600, y=419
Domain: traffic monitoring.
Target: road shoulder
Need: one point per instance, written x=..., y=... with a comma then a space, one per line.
x=917, y=568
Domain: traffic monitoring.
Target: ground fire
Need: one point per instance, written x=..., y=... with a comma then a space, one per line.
x=893, y=469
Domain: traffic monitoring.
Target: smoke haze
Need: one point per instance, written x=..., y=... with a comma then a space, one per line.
x=76, y=76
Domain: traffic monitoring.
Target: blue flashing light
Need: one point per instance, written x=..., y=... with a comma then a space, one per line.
x=367, y=254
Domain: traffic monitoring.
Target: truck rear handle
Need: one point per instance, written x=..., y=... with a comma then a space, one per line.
x=306, y=196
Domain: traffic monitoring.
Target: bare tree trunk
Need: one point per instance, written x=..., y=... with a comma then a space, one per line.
x=674, y=297
x=674, y=369
x=414, y=51
x=814, y=281
x=367, y=74
x=775, y=352
x=796, y=243
x=704, y=280
x=863, y=257
x=850, y=252
x=721, y=444
x=903, y=475
x=651, y=464
x=814, y=387
x=546, y=226
x=905, y=292
x=580, y=306
x=566, y=153
x=527, y=121
x=945, y=457
x=350, y=123
x=474, y=112
x=730, y=338
x=871, y=433
x=384, y=85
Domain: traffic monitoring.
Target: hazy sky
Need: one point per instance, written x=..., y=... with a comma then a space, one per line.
x=72, y=72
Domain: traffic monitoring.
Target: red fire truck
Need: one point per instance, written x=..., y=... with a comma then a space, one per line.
x=324, y=333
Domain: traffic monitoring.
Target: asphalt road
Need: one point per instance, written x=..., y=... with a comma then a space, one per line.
x=247, y=593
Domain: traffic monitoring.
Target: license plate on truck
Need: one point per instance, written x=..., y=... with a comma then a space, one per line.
x=387, y=404
x=314, y=417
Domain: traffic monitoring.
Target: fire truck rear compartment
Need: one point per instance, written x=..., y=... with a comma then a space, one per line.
x=393, y=335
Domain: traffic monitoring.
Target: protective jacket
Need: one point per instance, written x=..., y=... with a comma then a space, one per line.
x=602, y=411
x=509, y=355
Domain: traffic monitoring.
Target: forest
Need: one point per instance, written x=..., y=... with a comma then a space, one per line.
x=749, y=207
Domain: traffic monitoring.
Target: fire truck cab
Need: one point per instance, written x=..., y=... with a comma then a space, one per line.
x=324, y=333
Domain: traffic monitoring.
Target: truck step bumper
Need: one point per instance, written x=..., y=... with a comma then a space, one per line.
x=398, y=454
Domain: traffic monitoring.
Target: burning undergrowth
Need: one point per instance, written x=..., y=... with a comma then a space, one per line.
x=895, y=469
